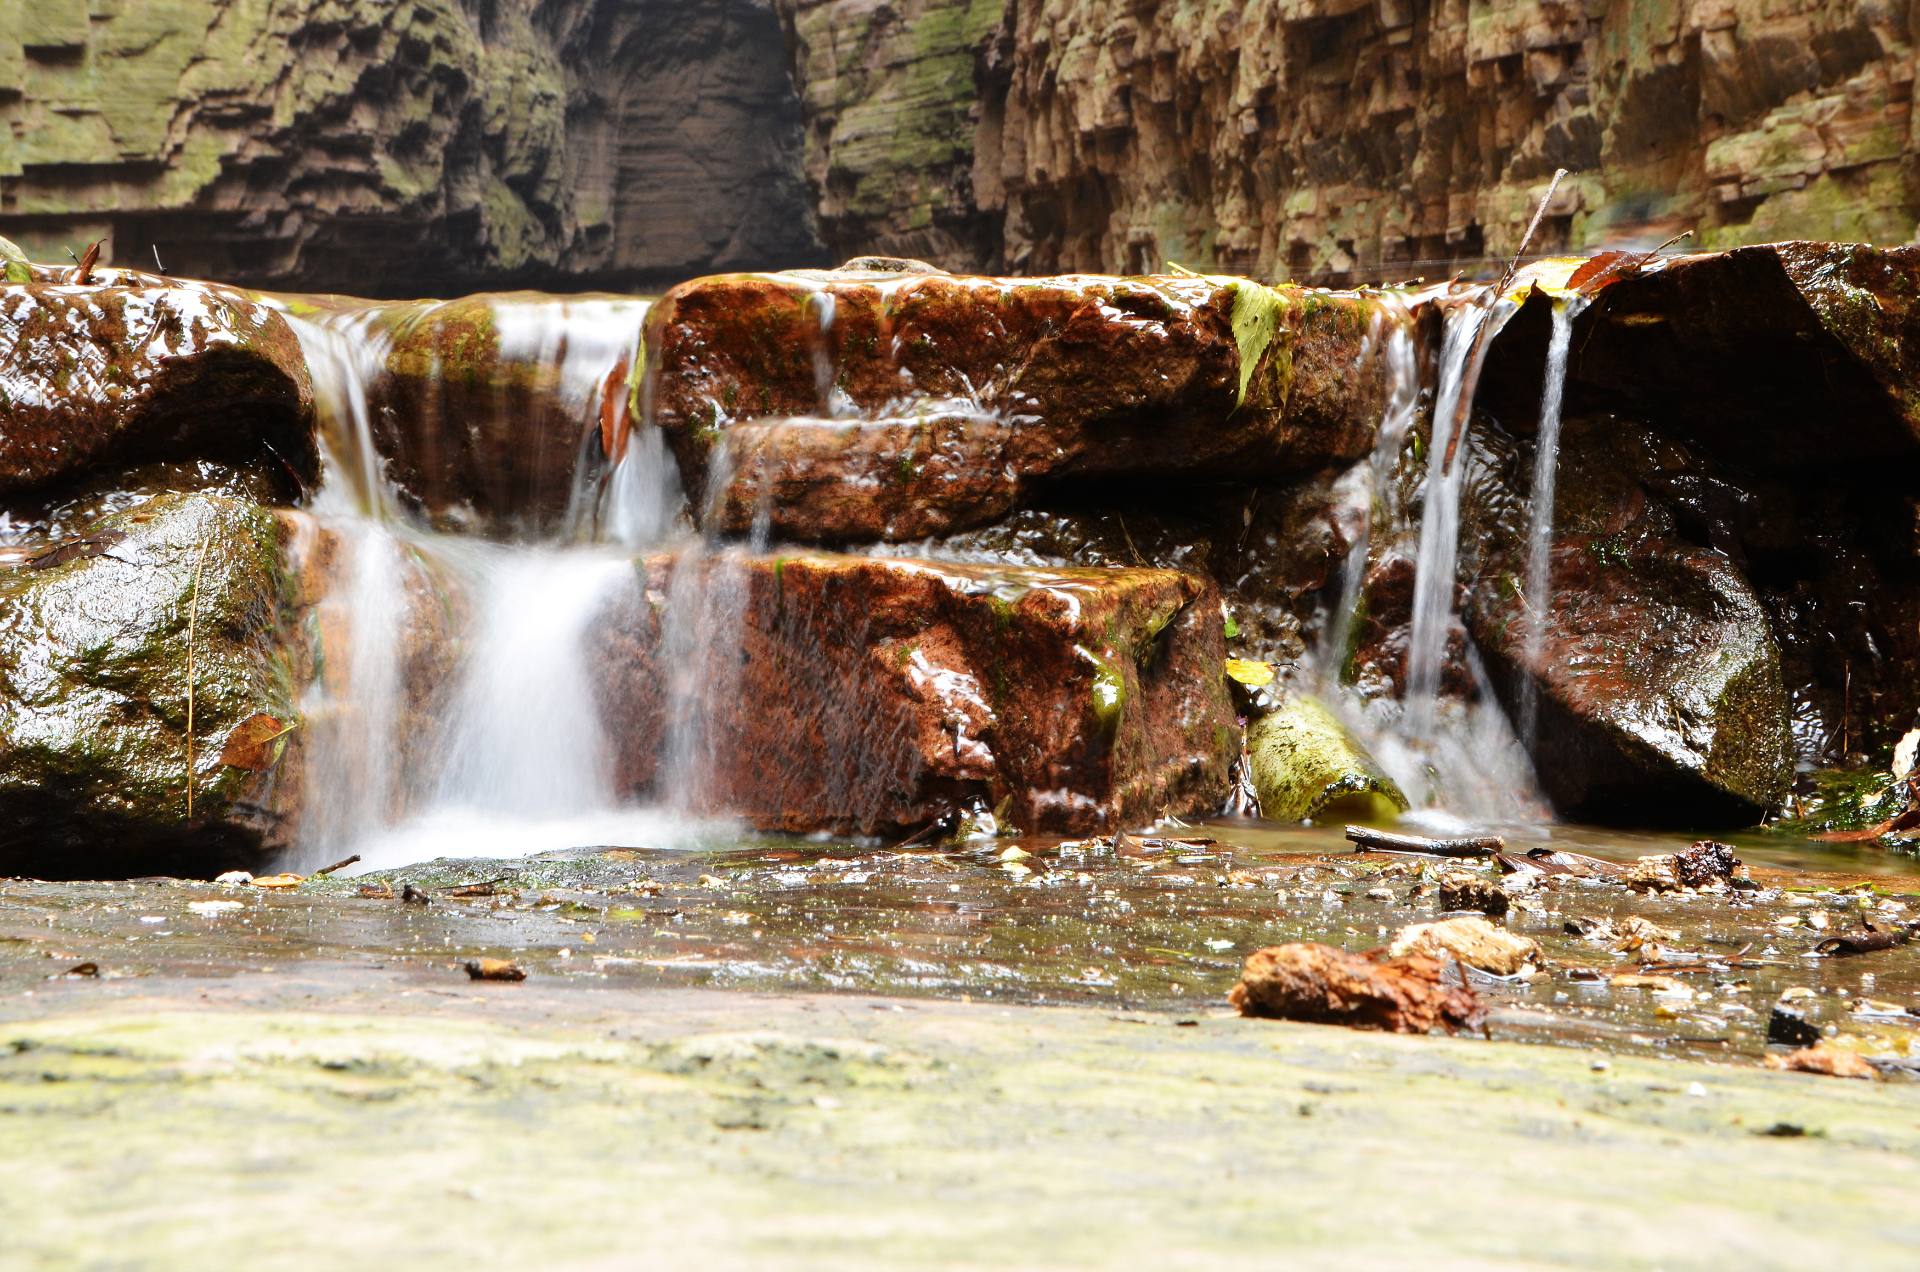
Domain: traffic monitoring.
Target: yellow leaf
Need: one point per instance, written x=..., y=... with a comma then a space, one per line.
x=278, y=881
x=1250, y=673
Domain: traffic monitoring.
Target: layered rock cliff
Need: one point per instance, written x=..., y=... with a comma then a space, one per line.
x=441, y=144
x=370, y=146
x=1332, y=139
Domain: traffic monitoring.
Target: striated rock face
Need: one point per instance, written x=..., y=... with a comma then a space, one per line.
x=1290, y=138
x=817, y=691
x=361, y=145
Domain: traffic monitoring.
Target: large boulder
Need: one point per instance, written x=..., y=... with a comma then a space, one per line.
x=814, y=691
x=1784, y=356
x=808, y=385
x=137, y=367
x=177, y=610
x=1656, y=675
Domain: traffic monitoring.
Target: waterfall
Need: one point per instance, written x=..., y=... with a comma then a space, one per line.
x=457, y=712
x=1546, y=463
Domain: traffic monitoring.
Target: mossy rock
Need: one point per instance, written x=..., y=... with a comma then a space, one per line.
x=1307, y=766
x=96, y=678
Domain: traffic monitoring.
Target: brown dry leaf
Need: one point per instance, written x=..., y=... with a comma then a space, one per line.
x=250, y=745
x=279, y=881
x=1658, y=984
x=1830, y=1061
x=495, y=969
x=1600, y=270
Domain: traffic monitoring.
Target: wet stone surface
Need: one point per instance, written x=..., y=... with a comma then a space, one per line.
x=1159, y=927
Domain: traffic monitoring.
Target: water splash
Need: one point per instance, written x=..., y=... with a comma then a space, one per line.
x=1546, y=463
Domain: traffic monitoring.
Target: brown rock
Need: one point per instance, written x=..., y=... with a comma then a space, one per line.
x=817, y=691
x=1322, y=985
x=1091, y=377
x=1464, y=891
x=138, y=368
x=492, y=411
x=1705, y=865
x=1473, y=941
x=1824, y=1059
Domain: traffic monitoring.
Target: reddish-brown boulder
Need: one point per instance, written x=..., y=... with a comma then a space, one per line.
x=133, y=367
x=1087, y=377
x=816, y=691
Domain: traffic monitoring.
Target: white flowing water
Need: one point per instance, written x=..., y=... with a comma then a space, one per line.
x=510, y=755
x=1546, y=463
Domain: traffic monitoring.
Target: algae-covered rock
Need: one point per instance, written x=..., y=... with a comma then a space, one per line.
x=1306, y=765
x=109, y=644
x=141, y=368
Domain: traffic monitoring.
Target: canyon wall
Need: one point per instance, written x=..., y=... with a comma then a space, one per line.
x=403, y=145
x=1328, y=140
x=437, y=144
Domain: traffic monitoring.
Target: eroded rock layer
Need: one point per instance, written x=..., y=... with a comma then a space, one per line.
x=1327, y=141
x=409, y=148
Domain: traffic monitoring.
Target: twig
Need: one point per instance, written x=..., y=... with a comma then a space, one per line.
x=338, y=865
x=1368, y=840
x=1463, y=408
x=156, y=260
x=193, y=620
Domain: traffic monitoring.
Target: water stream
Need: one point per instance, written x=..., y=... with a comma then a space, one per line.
x=1546, y=464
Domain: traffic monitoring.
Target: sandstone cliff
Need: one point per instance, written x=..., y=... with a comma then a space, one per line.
x=439, y=144
x=372, y=146
x=1333, y=139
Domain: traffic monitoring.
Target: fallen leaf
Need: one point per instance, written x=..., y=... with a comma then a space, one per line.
x=279, y=881
x=1252, y=674
x=251, y=744
x=1826, y=1060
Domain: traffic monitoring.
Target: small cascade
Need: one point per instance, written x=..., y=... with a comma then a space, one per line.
x=353, y=712
x=345, y=352
x=1435, y=579
x=1546, y=463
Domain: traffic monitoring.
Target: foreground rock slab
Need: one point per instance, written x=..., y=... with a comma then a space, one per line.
x=137, y=367
x=815, y=691
x=856, y=1132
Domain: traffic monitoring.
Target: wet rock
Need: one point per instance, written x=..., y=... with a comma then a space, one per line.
x=1789, y=1028
x=492, y=413
x=1306, y=765
x=1824, y=1059
x=1092, y=377
x=1473, y=941
x=137, y=368
x=1656, y=677
x=1319, y=984
x=96, y=676
x=1705, y=865
x=820, y=691
x=1462, y=890
x=1786, y=354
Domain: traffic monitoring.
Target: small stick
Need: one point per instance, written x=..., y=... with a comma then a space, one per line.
x=1464, y=407
x=156, y=260
x=338, y=865
x=193, y=619
x=1368, y=840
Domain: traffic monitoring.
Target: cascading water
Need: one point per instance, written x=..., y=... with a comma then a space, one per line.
x=510, y=756
x=1546, y=462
